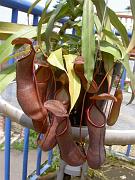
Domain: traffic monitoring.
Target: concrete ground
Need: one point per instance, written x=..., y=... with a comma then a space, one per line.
x=126, y=118
x=16, y=163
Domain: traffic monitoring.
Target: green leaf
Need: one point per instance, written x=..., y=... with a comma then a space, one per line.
x=132, y=41
x=48, y=2
x=74, y=81
x=71, y=5
x=70, y=37
x=6, y=77
x=97, y=24
x=56, y=59
x=42, y=21
x=132, y=3
x=32, y=6
x=108, y=64
x=88, y=39
x=130, y=74
x=18, y=54
x=115, y=41
x=119, y=26
x=100, y=7
x=6, y=48
x=111, y=49
x=50, y=25
x=7, y=29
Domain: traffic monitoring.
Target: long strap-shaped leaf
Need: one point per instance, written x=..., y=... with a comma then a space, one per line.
x=74, y=81
x=132, y=42
x=6, y=48
x=50, y=25
x=100, y=7
x=119, y=26
x=125, y=62
x=32, y=6
x=7, y=76
x=88, y=39
x=116, y=41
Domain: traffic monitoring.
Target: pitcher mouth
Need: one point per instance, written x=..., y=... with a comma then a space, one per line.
x=89, y=119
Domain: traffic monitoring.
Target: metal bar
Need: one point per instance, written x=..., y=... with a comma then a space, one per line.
x=22, y=6
x=134, y=67
x=73, y=31
x=125, y=16
x=128, y=150
x=25, y=155
x=112, y=137
x=50, y=155
x=35, y=20
x=42, y=170
x=39, y=155
x=7, y=148
x=15, y=114
x=14, y=15
x=8, y=121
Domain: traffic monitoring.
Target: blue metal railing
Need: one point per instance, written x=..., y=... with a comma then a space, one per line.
x=22, y=6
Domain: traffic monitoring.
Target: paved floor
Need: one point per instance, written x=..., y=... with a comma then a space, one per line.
x=16, y=163
x=126, y=121
x=126, y=118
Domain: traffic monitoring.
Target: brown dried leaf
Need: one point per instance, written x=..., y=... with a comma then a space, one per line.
x=56, y=107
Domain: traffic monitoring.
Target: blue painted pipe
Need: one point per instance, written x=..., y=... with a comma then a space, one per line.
x=22, y=5
x=35, y=20
x=39, y=155
x=50, y=156
x=7, y=148
x=25, y=153
x=14, y=15
x=128, y=150
x=8, y=121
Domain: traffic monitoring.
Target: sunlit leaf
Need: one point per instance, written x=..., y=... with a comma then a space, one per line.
x=6, y=77
x=130, y=74
x=97, y=23
x=71, y=5
x=115, y=41
x=100, y=7
x=6, y=48
x=109, y=48
x=132, y=41
x=47, y=4
x=56, y=59
x=119, y=26
x=32, y=7
x=7, y=29
x=50, y=25
x=74, y=81
x=108, y=65
x=88, y=39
